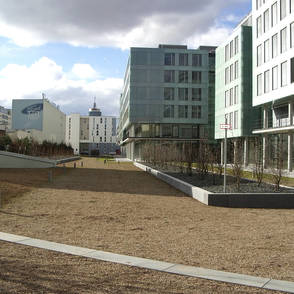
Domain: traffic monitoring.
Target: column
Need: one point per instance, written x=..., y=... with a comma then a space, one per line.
x=222, y=152
x=246, y=151
x=264, y=150
x=265, y=117
x=290, y=150
x=290, y=113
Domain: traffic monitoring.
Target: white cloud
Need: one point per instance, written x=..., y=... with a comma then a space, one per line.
x=84, y=71
x=45, y=76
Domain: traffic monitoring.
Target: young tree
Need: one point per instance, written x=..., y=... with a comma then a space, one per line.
x=237, y=165
x=258, y=160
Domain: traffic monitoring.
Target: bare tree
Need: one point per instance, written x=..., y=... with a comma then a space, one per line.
x=203, y=159
x=237, y=165
x=258, y=160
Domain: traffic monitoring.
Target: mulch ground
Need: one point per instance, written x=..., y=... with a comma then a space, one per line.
x=119, y=208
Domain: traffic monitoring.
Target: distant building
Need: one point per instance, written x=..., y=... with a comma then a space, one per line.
x=92, y=134
x=5, y=120
x=40, y=119
x=168, y=95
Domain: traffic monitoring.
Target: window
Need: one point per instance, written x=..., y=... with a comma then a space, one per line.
x=236, y=119
x=266, y=21
x=237, y=45
x=284, y=74
x=258, y=3
x=291, y=6
x=196, y=94
x=104, y=139
x=227, y=53
x=259, y=84
x=292, y=34
x=231, y=49
x=183, y=59
x=284, y=40
x=169, y=59
x=183, y=93
x=197, y=60
x=259, y=55
x=101, y=120
x=166, y=130
x=231, y=96
x=266, y=51
x=274, y=14
x=283, y=9
x=292, y=70
x=275, y=77
x=236, y=70
x=231, y=72
x=236, y=94
x=183, y=111
x=258, y=26
x=267, y=81
x=169, y=76
x=196, y=77
x=183, y=76
x=227, y=75
x=168, y=111
x=231, y=118
x=275, y=45
x=227, y=98
x=196, y=111
x=100, y=139
x=169, y=93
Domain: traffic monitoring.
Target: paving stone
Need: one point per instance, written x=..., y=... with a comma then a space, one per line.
x=11, y=237
x=217, y=275
x=280, y=286
x=155, y=265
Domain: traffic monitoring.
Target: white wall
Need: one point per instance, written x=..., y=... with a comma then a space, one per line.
x=72, y=135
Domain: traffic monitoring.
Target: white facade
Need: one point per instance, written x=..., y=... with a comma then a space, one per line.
x=91, y=133
x=5, y=119
x=273, y=50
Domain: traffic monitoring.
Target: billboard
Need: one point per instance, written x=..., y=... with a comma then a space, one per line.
x=27, y=114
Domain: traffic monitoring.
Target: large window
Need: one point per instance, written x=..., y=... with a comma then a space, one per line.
x=283, y=9
x=274, y=14
x=258, y=4
x=196, y=77
x=284, y=74
x=236, y=45
x=292, y=70
x=183, y=59
x=266, y=51
x=266, y=22
x=227, y=75
x=292, y=34
x=169, y=76
x=183, y=111
x=258, y=26
x=236, y=94
x=275, y=77
x=259, y=55
x=196, y=94
x=291, y=6
x=275, y=45
x=231, y=49
x=227, y=53
x=196, y=111
x=227, y=98
x=183, y=76
x=259, y=84
x=183, y=94
x=196, y=59
x=169, y=59
x=284, y=40
x=236, y=69
x=231, y=96
x=169, y=93
x=168, y=111
x=236, y=119
x=231, y=72
x=266, y=81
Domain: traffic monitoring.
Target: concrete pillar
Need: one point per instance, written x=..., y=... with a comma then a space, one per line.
x=265, y=117
x=265, y=150
x=222, y=152
x=246, y=142
x=290, y=150
x=290, y=113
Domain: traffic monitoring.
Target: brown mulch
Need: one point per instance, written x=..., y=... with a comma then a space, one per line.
x=119, y=208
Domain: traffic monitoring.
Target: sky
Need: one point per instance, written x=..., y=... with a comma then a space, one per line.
x=75, y=50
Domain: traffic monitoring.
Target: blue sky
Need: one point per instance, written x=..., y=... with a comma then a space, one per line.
x=74, y=50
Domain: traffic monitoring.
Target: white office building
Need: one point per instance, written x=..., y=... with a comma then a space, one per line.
x=5, y=119
x=273, y=74
x=92, y=134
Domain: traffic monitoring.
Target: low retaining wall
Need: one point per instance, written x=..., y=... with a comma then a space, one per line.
x=16, y=160
x=234, y=200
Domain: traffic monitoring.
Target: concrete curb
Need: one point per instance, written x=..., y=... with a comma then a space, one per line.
x=191, y=271
x=233, y=200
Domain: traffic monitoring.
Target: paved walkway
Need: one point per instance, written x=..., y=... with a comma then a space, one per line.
x=264, y=283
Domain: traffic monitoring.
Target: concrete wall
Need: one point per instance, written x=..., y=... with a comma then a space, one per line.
x=233, y=200
x=72, y=135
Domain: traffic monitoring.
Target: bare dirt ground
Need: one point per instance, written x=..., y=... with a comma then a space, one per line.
x=118, y=208
x=30, y=270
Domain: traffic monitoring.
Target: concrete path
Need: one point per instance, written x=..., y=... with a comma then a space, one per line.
x=264, y=283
